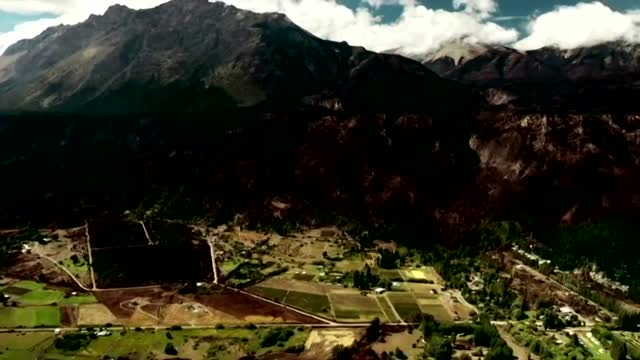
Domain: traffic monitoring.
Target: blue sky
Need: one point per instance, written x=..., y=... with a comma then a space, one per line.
x=9, y=20
x=409, y=26
x=507, y=8
x=522, y=9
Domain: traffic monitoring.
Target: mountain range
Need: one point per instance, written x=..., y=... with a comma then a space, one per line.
x=201, y=110
x=192, y=55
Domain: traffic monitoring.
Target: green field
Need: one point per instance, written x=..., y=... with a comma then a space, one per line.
x=223, y=344
x=269, y=293
x=79, y=300
x=29, y=285
x=41, y=297
x=355, y=307
x=32, y=316
x=318, y=304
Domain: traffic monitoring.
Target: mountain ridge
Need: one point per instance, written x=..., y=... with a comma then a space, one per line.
x=213, y=55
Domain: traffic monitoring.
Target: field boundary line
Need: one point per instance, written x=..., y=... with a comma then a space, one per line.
x=382, y=308
x=93, y=277
x=292, y=308
x=395, y=312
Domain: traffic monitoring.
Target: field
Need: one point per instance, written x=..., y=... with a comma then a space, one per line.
x=431, y=304
x=355, y=307
x=387, y=308
x=151, y=265
x=270, y=293
x=162, y=232
x=427, y=274
x=317, y=304
x=38, y=304
x=224, y=344
x=69, y=249
x=247, y=308
x=405, y=305
x=32, y=316
x=109, y=233
x=402, y=340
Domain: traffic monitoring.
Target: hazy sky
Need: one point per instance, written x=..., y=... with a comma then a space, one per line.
x=415, y=26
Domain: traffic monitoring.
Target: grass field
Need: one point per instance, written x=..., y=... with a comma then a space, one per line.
x=33, y=316
x=355, y=307
x=29, y=285
x=79, y=300
x=41, y=297
x=317, y=304
x=19, y=346
x=405, y=305
x=223, y=344
x=269, y=293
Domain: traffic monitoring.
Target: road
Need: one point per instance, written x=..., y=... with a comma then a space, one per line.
x=211, y=243
x=319, y=318
x=203, y=327
x=93, y=277
x=80, y=284
x=146, y=233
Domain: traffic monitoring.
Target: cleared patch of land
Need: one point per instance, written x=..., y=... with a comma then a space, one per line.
x=321, y=343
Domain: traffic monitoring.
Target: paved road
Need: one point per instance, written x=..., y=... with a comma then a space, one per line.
x=205, y=327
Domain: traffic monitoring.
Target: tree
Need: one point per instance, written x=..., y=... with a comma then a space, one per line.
x=500, y=351
x=357, y=279
x=619, y=350
x=400, y=355
x=552, y=320
x=374, y=330
x=169, y=349
x=439, y=348
x=428, y=325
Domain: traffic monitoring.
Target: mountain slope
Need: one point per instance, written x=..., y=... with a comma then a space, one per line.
x=195, y=55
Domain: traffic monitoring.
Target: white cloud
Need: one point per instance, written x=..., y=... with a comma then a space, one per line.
x=378, y=3
x=584, y=24
x=483, y=8
x=419, y=29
